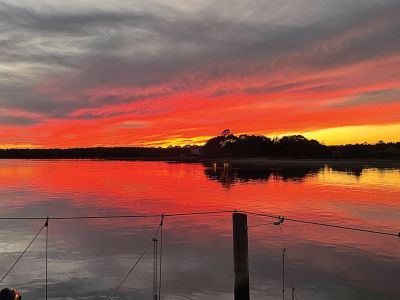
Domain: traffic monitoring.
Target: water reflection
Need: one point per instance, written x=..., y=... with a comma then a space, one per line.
x=228, y=174
x=87, y=258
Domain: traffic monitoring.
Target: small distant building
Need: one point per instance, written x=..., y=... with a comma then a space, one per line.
x=195, y=150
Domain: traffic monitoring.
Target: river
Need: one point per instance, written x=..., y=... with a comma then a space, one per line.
x=88, y=257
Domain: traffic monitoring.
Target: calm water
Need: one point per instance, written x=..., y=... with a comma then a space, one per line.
x=88, y=257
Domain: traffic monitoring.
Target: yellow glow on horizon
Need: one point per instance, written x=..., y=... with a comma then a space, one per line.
x=356, y=134
x=370, y=134
x=19, y=146
x=176, y=141
x=330, y=136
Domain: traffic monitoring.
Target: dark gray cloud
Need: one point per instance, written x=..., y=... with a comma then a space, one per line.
x=375, y=97
x=184, y=46
x=17, y=120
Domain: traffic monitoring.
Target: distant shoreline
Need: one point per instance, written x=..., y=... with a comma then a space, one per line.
x=243, y=149
x=290, y=162
x=254, y=162
x=299, y=162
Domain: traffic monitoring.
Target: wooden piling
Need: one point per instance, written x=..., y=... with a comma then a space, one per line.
x=155, y=266
x=240, y=256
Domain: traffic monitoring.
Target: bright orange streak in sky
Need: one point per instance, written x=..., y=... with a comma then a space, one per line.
x=349, y=104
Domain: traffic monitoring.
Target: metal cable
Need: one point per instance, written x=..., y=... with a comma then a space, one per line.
x=23, y=252
x=134, y=266
x=207, y=213
x=324, y=224
x=121, y=216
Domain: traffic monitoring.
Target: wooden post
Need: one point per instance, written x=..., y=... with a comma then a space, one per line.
x=155, y=247
x=240, y=256
x=283, y=273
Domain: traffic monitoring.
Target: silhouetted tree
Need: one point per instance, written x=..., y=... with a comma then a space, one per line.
x=226, y=133
x=298, y=145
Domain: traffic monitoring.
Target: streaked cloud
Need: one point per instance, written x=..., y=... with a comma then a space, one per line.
x=252, y=66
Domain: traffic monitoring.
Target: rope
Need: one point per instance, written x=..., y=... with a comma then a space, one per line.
x=134, y=266
x=199, y=213
x=130, y=271
x=206, y=213
x=324, y=224
x=121, y=216
x=285, y=258
x=107, y=217
x=23, y=252
x=22, y=218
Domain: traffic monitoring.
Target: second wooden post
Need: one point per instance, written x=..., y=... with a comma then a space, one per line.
x=240, y=256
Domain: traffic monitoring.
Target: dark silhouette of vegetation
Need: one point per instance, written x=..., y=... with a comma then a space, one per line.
x=378, y=150
x=253, y=145
x=96, y=153
x=229, y=145
x=225, y=145
x=243, y=145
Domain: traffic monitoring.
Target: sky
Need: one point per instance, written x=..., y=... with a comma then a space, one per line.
x=160, y=73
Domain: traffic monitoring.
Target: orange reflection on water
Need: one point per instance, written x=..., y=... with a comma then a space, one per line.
x=365, y=198
x=371, y=197
x=169, y=187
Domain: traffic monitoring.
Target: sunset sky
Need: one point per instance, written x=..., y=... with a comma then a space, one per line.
x=159, y=73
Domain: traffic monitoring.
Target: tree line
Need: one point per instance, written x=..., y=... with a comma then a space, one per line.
x=225, y=145
x=228, y=144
